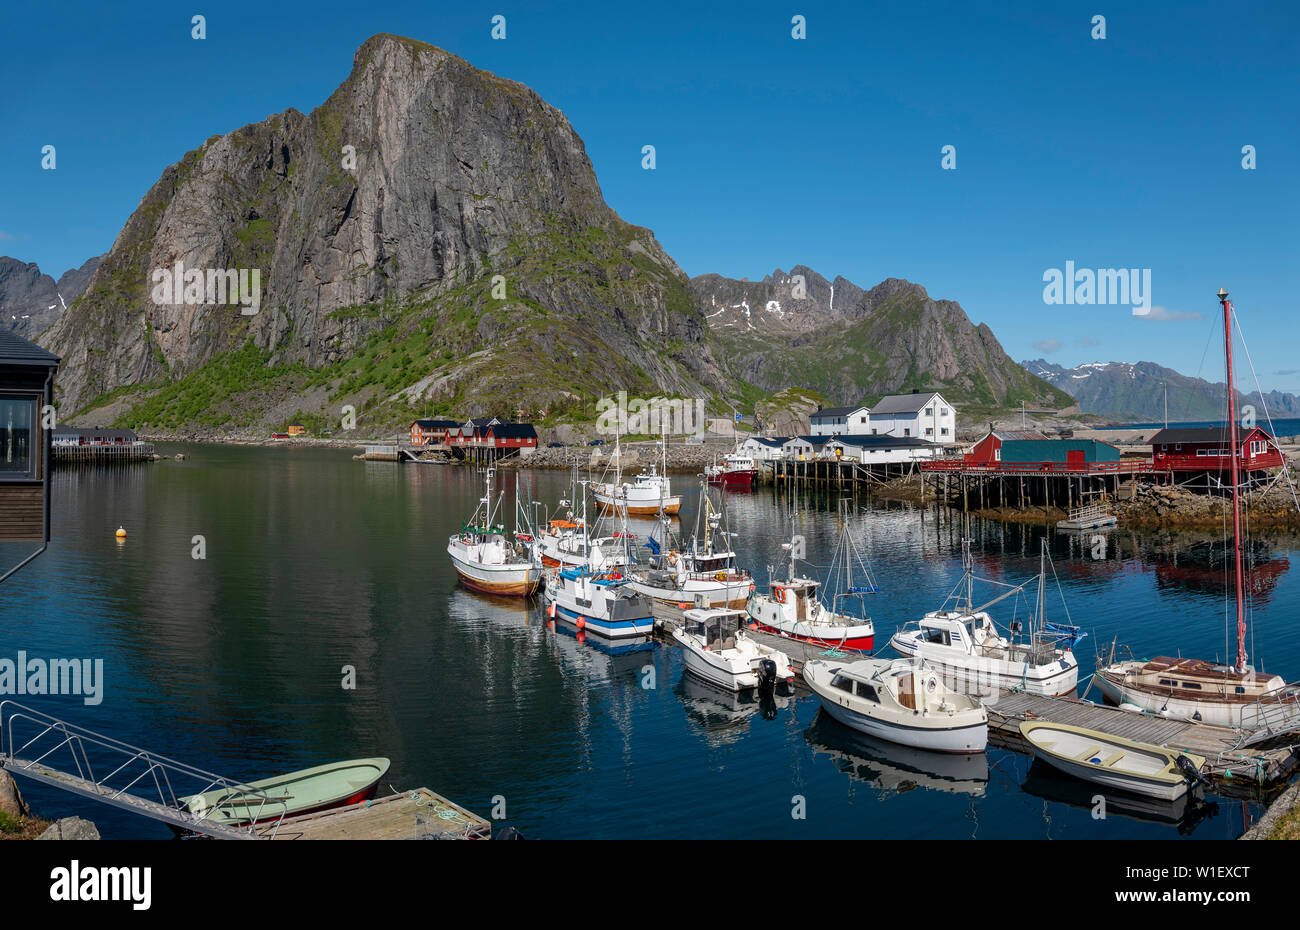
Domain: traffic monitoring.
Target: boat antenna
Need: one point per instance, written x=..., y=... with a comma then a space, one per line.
x=1236, y=482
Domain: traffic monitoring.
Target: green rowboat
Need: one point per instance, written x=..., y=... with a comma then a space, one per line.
x=316, y=789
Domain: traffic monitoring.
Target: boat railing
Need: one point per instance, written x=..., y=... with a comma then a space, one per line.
x=98, y=767
x=1272, y=715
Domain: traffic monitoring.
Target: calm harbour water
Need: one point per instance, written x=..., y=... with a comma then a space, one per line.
x=315, y=561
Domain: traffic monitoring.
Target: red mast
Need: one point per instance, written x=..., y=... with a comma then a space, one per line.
x=1236, y=483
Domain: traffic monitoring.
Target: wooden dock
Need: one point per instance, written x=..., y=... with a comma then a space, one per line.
x=420, y=814
x=102, y=453
x=1224, y=762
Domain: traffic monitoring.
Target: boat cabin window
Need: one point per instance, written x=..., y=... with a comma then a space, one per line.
x=939, y=637
x=1168, y=681
x=842, y=683
x=1192, y=684
x=1239, y=689
x=866, y=691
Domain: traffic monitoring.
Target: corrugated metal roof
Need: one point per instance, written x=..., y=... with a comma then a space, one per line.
x=438, y=424
x=1057, y=450
x=15, y=350
x=883, y=442
x=1195, y=434
x=772, y=441
x=903, y=403
x=838, y=411
x=1014, y=434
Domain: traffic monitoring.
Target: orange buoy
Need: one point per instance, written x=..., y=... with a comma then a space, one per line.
x=121, y=533
x=581, y=623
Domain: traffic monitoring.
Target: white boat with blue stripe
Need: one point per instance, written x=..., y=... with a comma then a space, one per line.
x=600, y=601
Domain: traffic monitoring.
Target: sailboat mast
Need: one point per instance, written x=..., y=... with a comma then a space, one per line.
x=1236, y=484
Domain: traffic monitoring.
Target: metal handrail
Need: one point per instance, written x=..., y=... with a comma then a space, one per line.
x=79, y=741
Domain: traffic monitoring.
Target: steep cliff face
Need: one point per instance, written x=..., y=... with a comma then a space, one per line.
x=465, y=258
x=30, y=300
x=852, y=344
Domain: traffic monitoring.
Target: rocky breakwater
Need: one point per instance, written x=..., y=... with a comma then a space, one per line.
x=1162, y=505
x=690, y=458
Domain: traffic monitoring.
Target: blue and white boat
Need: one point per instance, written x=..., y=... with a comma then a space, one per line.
x=599, y=601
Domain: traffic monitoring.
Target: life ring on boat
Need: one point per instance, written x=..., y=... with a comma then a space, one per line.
x=751, y=589
x=930, y=685
x=672, y=558
x=720, y=576
x=778, y=593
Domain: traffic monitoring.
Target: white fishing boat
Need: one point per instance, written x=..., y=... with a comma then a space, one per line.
x=647, y=494
x=488, y=560
x=964, y=644
x=900, y=701
x=1219, y=693
x=793, y=608
x=703, y=573
x=1112, y=761
x=716, y=648
x=598, y=601
x=570, y=542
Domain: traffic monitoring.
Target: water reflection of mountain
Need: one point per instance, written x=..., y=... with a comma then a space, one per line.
x=723, y=716
x=894, y=769
x=1186, y=813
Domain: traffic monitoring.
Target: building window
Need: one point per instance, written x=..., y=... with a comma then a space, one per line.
x=929, y=411
x=928, y=431
x=907, y=431
x=997, y=455
x=17, y=436
x=943, y=431
x=943, y=412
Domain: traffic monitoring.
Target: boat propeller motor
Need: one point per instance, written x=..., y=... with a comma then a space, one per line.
x=1190, y=771
x=766, y=673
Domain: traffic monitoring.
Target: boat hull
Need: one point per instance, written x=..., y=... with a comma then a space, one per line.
x=610, y=629
x=985, y=677
x=505, y=582
x=847, y=644
x=735, y=479
x=972, y=738
x=313, y=790
x=1112, y=762
x=671, y=506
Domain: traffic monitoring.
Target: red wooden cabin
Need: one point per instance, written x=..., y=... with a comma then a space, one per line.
x=1208, y=449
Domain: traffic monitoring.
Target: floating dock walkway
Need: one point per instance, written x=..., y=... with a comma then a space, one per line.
x=1225, y=759
x=412, y=815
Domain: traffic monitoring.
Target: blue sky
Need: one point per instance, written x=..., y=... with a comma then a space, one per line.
x=1121, y=152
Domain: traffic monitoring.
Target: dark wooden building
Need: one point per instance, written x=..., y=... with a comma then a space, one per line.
x=26, y=388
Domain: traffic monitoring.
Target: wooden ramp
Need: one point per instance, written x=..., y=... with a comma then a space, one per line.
x=1217, y=744
x=420, y=814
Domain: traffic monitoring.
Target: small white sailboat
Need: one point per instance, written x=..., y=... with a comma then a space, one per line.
x=486, y=559
x=965, y=646
x=900, y=701
x=1112, y=761
x=716, y=648
x=792, y=607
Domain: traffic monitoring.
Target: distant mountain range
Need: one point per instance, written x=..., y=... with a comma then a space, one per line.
x=852, y=345
x=1135, y=392
x=30, y=301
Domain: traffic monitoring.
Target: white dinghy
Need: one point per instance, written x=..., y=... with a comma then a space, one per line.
x=1112, y=761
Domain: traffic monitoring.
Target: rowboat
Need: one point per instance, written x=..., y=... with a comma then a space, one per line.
x=1112, y=761
x=305, y=792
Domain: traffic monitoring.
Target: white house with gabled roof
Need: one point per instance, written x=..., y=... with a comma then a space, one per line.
x=923, y=414
x=840, y=421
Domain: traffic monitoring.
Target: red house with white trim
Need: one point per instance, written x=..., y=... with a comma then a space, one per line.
x=1209, y=449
